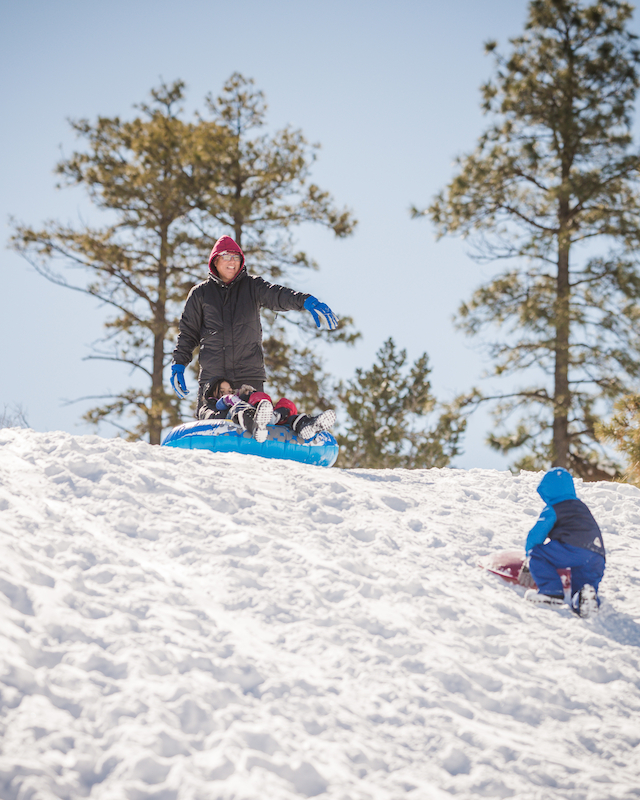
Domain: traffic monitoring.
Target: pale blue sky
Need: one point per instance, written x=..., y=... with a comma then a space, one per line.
x=389, y=89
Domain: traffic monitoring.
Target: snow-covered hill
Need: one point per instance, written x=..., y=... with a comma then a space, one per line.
x=188, y=626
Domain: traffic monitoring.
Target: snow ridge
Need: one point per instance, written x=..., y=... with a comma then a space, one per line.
x=182, y=625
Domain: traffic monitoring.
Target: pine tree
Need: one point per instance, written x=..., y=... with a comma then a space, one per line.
x=388, y=408
x=171, y=188
x=149, y=173
x=553, y=176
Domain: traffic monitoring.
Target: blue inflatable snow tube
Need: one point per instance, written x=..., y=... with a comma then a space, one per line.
x=223, y=436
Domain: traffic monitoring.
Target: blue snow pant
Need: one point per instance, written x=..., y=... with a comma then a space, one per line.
x=586, y=567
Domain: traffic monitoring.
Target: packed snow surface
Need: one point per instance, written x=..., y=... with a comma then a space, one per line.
x=183, y=625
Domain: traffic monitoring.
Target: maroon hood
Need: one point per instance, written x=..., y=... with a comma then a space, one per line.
x=223, y=244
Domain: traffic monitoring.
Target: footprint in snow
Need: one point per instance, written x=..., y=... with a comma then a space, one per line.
x=363, y=535
x=395, y=503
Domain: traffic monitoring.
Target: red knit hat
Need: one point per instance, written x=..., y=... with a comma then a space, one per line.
x=256, y=397
x=225, y=244
x=284, y=403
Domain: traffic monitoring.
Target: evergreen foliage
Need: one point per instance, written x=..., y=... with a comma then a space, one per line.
x=387, y=410
x=149, y=173
x=170, y=188
x=554, y=175
x=623, y=431
x=295, y=370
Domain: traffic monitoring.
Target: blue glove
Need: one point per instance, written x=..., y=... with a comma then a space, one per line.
x=321, y=313
x=177, y=381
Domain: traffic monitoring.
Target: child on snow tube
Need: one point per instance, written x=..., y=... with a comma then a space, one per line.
x=575, y=542
x=253, y=411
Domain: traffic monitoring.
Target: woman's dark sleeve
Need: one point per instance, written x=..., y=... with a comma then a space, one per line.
x=190, y=326
x=278, y=298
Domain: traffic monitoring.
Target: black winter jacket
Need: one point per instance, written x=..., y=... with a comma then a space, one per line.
x=224, y=319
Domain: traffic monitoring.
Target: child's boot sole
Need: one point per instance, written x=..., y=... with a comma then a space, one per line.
x=264, y=412
x=323, y=422
x=532, y=596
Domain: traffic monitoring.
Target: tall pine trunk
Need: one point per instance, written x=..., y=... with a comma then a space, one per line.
x=159, y=334
x=561, y=392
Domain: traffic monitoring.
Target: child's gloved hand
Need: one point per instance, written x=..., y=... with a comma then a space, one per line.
x=245, y=392
x=227, y=401
x=524, y=576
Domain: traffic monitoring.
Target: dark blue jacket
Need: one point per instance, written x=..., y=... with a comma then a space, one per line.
x=564, y=519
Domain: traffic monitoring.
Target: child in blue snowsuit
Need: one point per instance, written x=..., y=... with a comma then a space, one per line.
x=575, y=542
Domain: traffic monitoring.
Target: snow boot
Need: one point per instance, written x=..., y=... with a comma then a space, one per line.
x=551, y=600
x=261, y=418
x=242, y=414
x=585, y=603
x=306, y=427
x=252, y=419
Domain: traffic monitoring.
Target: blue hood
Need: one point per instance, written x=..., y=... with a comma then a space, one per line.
x=556, y=486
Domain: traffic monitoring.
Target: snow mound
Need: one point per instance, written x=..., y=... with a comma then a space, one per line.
x=183, y=625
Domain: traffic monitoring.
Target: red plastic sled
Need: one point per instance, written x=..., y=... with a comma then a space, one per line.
x=508, y=564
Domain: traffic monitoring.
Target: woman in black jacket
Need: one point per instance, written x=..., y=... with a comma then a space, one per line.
x=222, y=316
